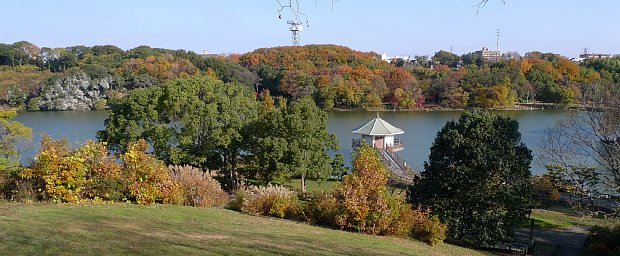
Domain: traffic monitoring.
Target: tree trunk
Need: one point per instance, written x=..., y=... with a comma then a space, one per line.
x=233, y=172
x=303, y=183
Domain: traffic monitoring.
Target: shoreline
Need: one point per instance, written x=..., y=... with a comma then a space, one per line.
x=434, y=108
x=423, y=108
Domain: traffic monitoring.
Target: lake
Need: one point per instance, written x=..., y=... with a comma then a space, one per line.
x=420, y=128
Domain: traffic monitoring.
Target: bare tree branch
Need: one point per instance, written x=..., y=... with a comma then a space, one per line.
x=586, y=145
x=483, y=3
x=293, y=6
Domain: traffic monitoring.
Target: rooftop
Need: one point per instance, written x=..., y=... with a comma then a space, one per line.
x=378, y=126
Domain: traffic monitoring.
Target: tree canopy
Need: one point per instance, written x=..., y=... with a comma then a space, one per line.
x=292, y=140
x=200, y=121
x=11, y=134
x=205, y=122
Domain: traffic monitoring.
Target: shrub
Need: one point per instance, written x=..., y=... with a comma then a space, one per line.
x=16, y=189
x=100, y=104
x=146, y=177
x=365, y=206
x=63, y=174
x=236, y=204
x=323, y=209
x=198, y=187
x=401, y=221
x=275, y=201
x=545, y=192
x=4, y=178
x=57, y=172
x=34, y=104
x=103, y=173
x=426, y=228
x=603, y=241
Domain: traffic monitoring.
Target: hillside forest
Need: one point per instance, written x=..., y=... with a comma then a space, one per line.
x=86, y=78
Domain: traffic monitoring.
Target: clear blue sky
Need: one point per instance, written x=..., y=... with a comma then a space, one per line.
x=397, y=27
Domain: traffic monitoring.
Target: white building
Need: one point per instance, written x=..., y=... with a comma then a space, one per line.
x=488, y=55
x=380, y=134
x=385, y=57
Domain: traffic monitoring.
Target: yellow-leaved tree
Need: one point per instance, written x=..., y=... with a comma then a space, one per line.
x=147, y=177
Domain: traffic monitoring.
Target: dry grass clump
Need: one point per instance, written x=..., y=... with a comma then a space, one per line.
x=199, y=188
x=276, y=201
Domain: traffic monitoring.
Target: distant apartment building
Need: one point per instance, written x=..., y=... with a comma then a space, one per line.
x=386, y=58
x=595, y=56
x=488, y=55
x=206, y=54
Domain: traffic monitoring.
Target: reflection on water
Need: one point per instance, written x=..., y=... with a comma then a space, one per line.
x=420, y=128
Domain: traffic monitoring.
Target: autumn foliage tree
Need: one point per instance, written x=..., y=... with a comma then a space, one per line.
x=364, y=205
x=146, y=177
x=545, y=192
x=69, y=175
x=58, y=171
x=366, y=208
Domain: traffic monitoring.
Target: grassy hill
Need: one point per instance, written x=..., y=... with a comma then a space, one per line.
x=28, y=229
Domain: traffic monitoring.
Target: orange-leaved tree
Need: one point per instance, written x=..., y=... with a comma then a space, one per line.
x=365, y=204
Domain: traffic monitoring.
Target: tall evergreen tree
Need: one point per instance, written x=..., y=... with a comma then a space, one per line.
x=477, y=178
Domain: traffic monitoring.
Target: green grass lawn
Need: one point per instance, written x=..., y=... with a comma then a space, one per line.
x=51, y=229
x=563, y=217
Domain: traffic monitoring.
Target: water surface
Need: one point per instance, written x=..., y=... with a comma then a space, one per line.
x=420, y=128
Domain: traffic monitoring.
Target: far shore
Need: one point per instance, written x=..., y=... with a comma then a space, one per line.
x=430, y=108
x=422, y=108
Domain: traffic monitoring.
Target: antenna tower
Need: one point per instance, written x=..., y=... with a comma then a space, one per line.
x=497, y=35
x=296, y=24
x=296, y=27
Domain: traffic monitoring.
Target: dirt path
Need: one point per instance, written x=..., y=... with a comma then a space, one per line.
x=565, y=242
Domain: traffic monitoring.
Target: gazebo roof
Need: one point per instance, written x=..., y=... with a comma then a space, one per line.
x=378, y=126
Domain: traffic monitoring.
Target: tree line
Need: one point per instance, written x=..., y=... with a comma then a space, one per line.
x=334, y=76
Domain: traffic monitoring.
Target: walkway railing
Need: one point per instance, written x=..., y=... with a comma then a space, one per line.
x=399, y=171
x=398, y=145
